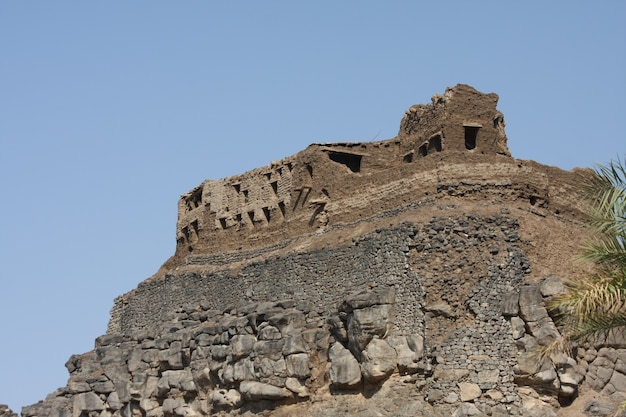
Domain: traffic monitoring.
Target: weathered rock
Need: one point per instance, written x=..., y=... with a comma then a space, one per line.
x=469, y=391
x=256, y=391
x=242, y=345
x=467, y=410
x=365, y=323
x=298, y=365
x=518, y=327
x=5, y=411
x=226, y=398
x=510, y=304
x=345, y=371
x=440, y=309
x=364, y=299
x=86, y=401
x=408, y=360
x=294, y=385
x=600, y=408
x=378, y=361
x=551, y=285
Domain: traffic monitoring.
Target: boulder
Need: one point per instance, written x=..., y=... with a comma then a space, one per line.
x=368, y=298
x=365, y=323
x=87, y=401
x=378, y=361
x=408, y=361
x=345, y=371
x=298, y=365
x=257, y=391
x=294, y=385
x=551, y=285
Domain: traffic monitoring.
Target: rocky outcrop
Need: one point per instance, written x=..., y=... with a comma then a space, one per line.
x=5, y=411
x=406, y=277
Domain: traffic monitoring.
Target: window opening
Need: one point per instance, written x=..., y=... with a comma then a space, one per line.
x=266, y=213
x=471, y=136
x=274, y=185
x=434, y=143
x=350, y=160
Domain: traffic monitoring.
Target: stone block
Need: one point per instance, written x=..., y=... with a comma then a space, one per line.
x=551, y=285
x=256, y=391
x=242, y=345
x=298, y=365
x=378, y=361
x=345, y=371
x=86, y=401
x=518, y=327
x=469, y=391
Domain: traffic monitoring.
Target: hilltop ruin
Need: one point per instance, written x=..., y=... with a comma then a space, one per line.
x=410, y=275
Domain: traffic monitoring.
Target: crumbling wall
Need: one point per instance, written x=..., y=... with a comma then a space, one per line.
x=289, y=197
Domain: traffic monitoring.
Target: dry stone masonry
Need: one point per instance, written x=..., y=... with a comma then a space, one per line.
x=406, y=277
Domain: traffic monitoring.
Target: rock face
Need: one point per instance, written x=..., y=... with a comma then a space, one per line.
x=410, y=275
x=5, y=411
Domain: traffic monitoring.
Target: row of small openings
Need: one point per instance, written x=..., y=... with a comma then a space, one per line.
x=194, y=200
x=266, y=213
x=237, y=187
x=194, y=227
x=435, y=143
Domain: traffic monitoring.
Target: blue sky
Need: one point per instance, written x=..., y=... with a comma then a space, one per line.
x=110, y=110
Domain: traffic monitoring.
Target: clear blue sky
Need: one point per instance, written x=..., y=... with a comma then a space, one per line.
x=110, y=110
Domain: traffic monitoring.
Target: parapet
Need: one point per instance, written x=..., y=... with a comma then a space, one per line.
x=305, y=192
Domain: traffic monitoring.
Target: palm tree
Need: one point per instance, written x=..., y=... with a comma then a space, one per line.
x=594, y=309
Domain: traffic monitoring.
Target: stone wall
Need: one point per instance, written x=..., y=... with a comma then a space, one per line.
x=289, y=197
x=444, y=306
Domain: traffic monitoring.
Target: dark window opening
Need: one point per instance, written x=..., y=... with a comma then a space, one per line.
x=268, y=175
x=245, y=195
x=194, y=200
x=281, y=206
x=237, y=187
x=290, y=166
x=350, y=160
x=186, y=233
x=238, y=218
x=223, y=222
x=423, y=150
x=434, y=143
x=274, y=185
x=408, y=158
x=533, y=200
x=194, y=226
x=251, y=216
x=266, y=212
x=471, y=134
x=280, y=171
x=309, y=168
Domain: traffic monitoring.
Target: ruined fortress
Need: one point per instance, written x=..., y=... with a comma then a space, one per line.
x=404, y=277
